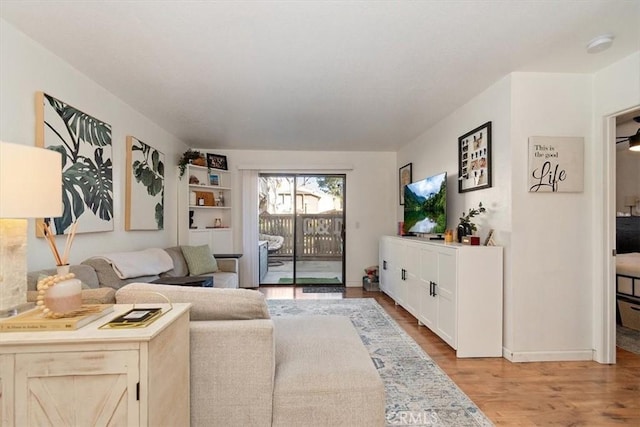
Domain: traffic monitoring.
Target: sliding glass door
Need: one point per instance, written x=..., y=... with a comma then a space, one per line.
x=301, y=226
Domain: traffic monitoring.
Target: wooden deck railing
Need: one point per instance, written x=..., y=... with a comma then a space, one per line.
x=319, y=235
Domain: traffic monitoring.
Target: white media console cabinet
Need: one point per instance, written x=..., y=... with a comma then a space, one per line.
x=455, y=290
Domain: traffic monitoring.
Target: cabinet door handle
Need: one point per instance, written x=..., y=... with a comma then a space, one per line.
x=430, y=288
x=402, y=274
x=434, y=289
x=384, y=265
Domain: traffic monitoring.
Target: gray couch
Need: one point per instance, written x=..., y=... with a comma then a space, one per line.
x=100, y=281
x=248, y=369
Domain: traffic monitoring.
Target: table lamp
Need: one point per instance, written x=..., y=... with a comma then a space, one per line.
x=30, y=187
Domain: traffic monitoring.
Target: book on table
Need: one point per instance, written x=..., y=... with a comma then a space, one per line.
x=33, y=320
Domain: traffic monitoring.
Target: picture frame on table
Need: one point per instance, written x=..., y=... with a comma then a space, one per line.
x=404, y=178
x=489, y=240
x=474, y=159
x=217, y=161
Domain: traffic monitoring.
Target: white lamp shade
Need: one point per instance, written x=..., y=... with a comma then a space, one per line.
x=30, y=182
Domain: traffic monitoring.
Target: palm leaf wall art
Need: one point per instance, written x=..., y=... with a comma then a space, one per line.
x=144, y=208
x=87, y=170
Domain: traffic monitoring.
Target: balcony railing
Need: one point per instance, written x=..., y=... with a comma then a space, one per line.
x=318, y=235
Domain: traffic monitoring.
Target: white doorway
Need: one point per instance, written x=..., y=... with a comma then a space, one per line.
x=613, y=203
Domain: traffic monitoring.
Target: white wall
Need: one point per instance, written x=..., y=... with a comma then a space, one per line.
x=370, y=190
x=550, y=305
x=547, y=296
x=26, y=68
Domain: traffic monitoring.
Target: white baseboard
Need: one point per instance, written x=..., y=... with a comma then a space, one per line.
x=546, y=356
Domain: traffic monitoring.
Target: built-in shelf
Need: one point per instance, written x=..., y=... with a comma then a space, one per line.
x=220, y=239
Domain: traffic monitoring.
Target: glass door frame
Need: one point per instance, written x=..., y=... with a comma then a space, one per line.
x=296, y=227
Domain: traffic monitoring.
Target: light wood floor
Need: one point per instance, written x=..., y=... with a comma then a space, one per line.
x=524, y=394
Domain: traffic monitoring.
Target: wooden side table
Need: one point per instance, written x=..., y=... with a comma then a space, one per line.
x=94, y=376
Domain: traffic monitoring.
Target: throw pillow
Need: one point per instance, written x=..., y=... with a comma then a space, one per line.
x=180, y=268
x=199, y=259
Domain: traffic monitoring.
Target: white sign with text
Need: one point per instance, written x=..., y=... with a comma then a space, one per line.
x=556, y=164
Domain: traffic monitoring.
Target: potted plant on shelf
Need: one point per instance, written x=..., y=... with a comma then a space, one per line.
x=190, y=157
x=466, y=227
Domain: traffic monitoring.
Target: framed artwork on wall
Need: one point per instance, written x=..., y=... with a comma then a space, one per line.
x=217, y=161
x=404, y=178
x=474, y=159
x=144, y=202
x=87, y=170
x=556, y=164
x=214, y=179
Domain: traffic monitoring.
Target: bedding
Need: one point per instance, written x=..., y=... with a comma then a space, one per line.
x=628, y=274
x=628, y=264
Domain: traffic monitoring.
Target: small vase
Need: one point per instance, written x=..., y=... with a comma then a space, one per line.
x=64, y=297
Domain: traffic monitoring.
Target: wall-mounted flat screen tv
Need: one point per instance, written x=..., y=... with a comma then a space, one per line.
x=425, y=205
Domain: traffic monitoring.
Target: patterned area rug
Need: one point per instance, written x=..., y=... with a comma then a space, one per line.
x=418, y=392
x=628, y=339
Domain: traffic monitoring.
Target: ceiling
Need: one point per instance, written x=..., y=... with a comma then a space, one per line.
x=317, y=75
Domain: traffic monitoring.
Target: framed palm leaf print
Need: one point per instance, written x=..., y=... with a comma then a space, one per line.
x=144, y=208
x=87, y=169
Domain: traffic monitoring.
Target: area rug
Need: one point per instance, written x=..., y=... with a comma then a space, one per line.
x=309, y=280
x=628, y=339
x=323, y=289
x=418, y=392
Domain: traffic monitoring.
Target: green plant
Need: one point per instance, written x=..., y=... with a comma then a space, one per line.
x=186, y=158
x=466, y=217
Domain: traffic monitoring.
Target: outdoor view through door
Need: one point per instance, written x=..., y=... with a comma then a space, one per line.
x=301, y=229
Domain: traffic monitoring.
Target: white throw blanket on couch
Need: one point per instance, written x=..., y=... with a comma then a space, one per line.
x=147, y=262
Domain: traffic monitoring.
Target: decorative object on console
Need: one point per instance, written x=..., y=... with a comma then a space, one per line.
x=23, y=194
x=466, y=227
x=489, y=240
x=405, y=178
x=216, y=161
x=59, y=296
x=62, y=261
x=190, y=157
x=474, y=159
x=556, y=164
x=144, y=207
x=87, y=170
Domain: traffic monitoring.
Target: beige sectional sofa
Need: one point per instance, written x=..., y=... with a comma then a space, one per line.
x=248, y=369
x=100, y=281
